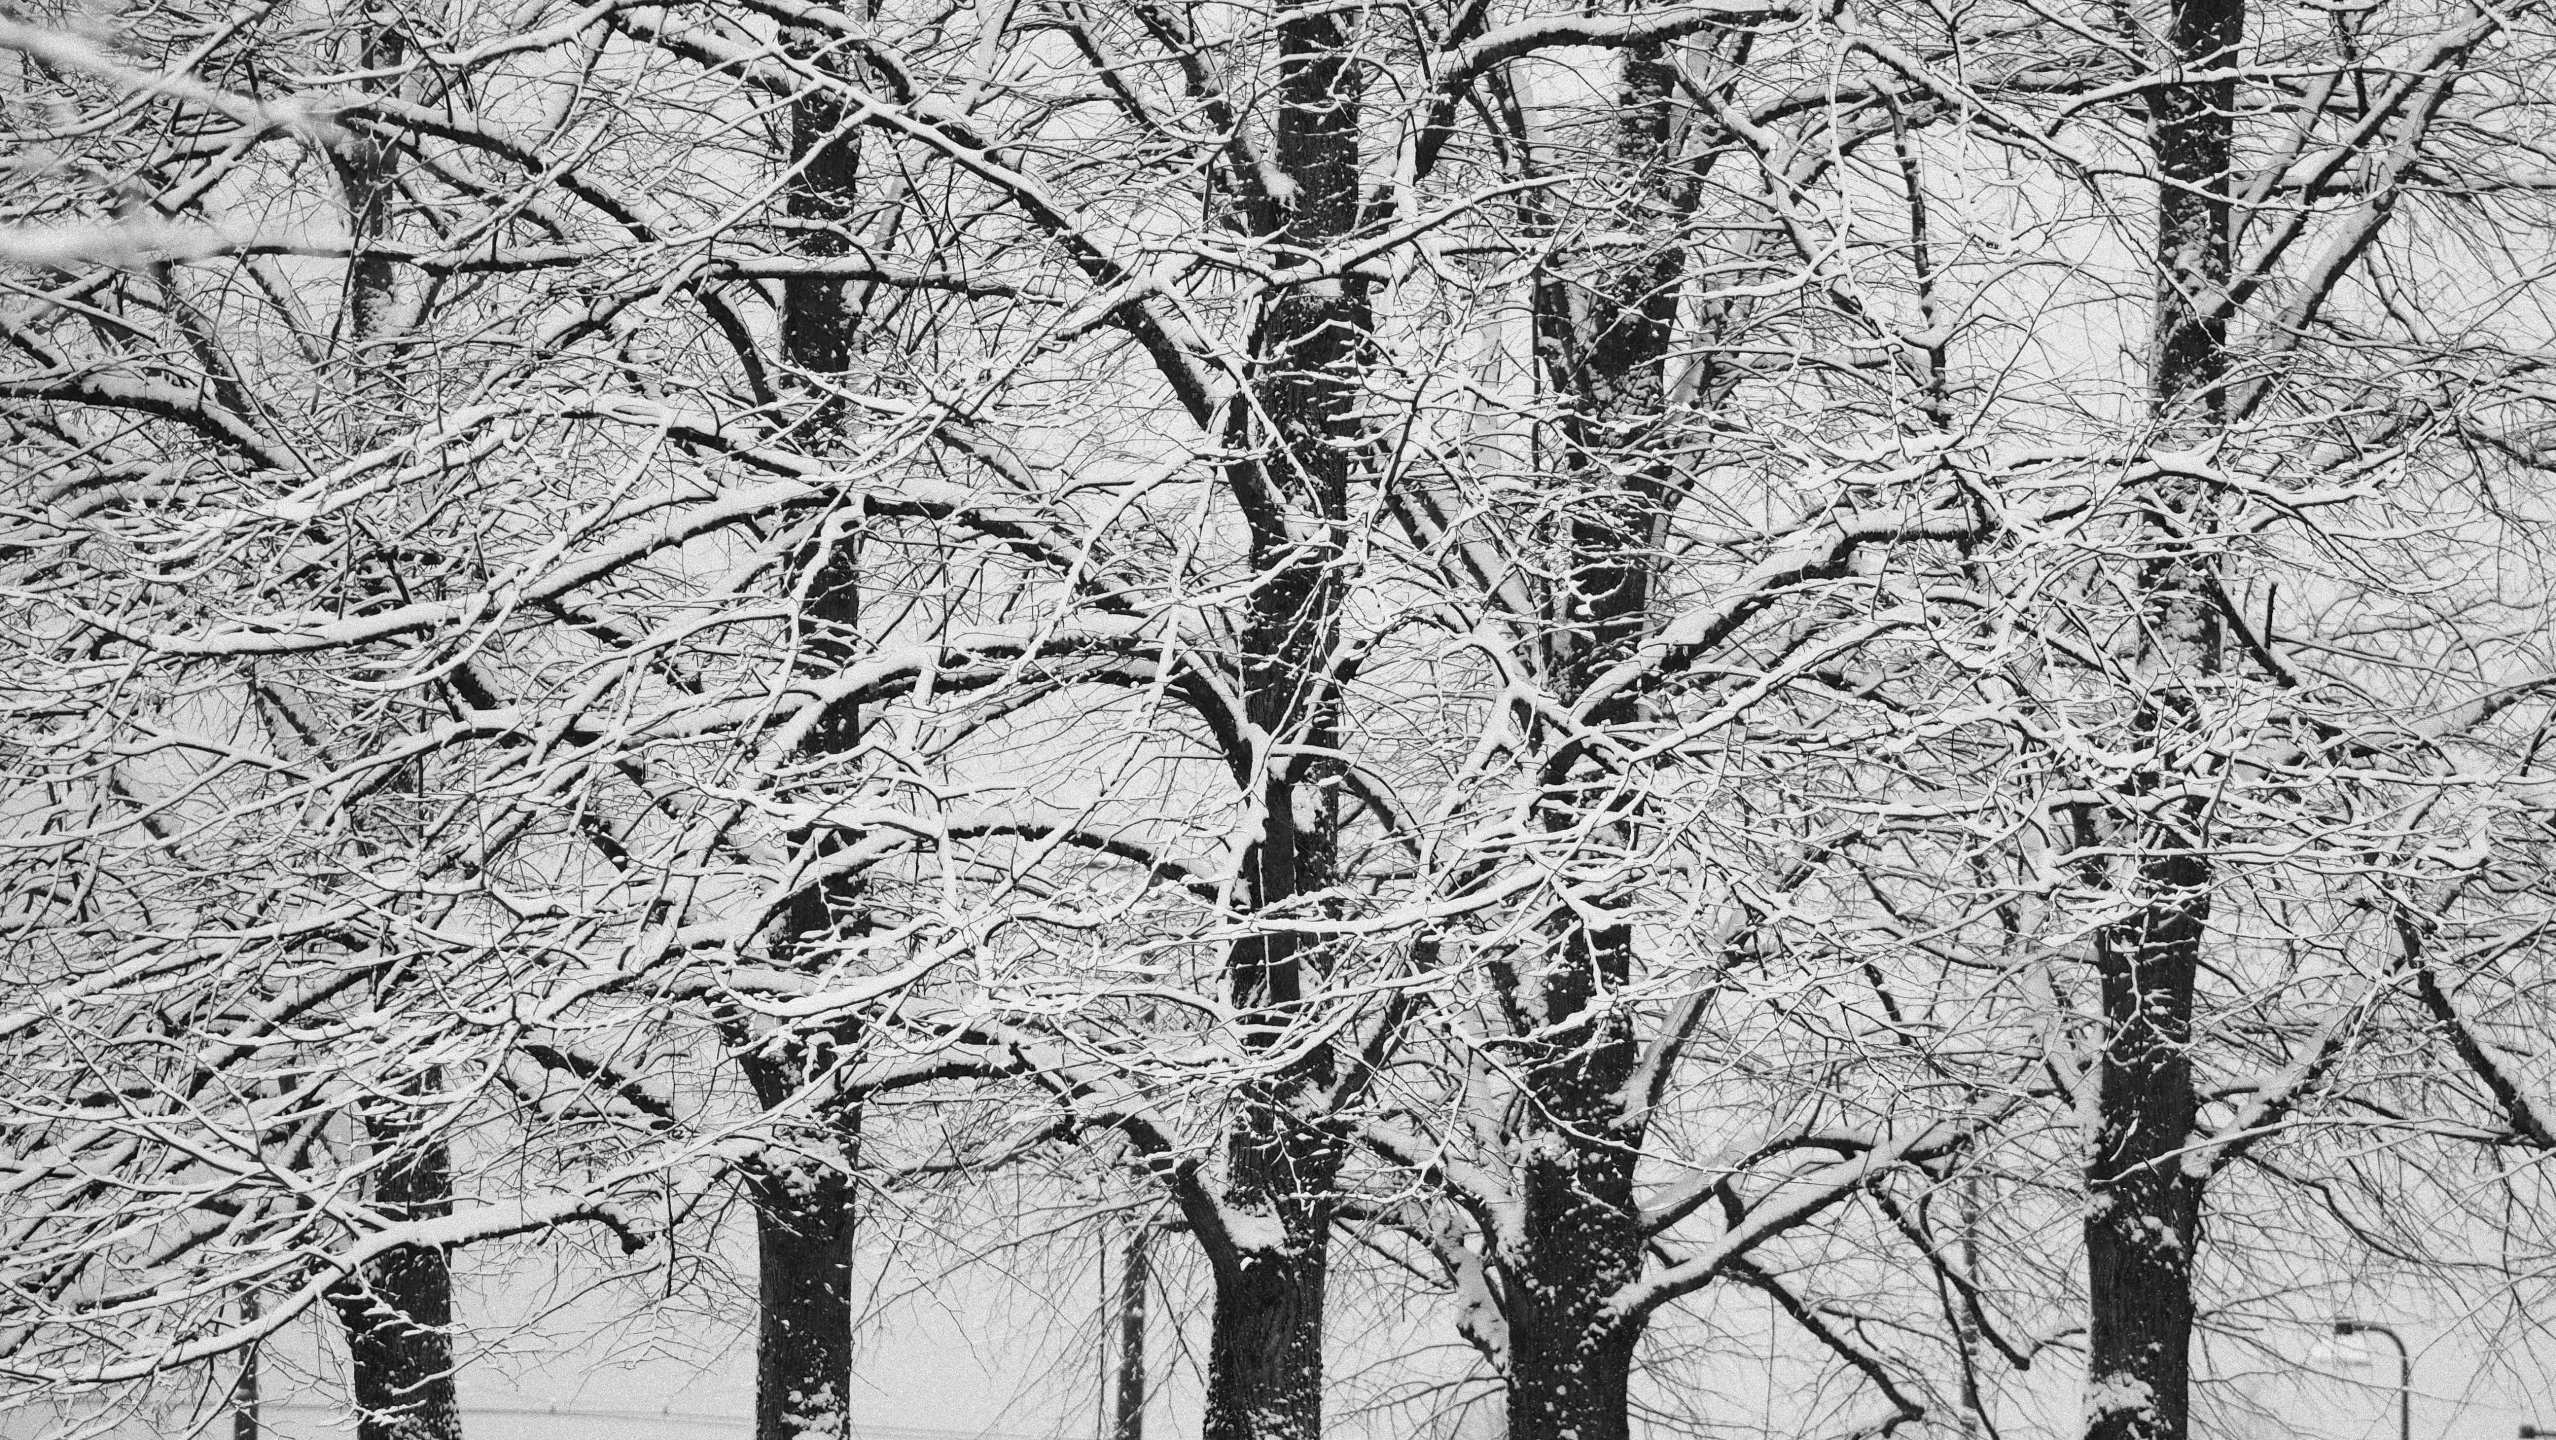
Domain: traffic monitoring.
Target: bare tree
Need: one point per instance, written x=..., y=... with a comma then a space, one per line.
x=1607, y=686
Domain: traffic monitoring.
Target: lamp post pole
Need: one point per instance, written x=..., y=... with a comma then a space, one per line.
x=2404, y=1370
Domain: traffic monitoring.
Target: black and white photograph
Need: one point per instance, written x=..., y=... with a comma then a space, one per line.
x=1277, y=719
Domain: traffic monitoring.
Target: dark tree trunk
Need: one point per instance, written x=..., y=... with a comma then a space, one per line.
x=368, y=170
x=805, y=1209
x=805, y=1214
x=1127, y=1418
x=244, y=1415
x=398, y=1310
x=818, y=318
x=803, y=1346
x=2193, y=135
x=1264, y=1372
x=2143, y=1210
x=1572, y=1380
x=1605, y=339
x=1570, y=1355
x=2143, y=1223
x=1264, y=1362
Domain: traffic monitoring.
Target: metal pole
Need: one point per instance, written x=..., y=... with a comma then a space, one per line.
x=2404, y=1369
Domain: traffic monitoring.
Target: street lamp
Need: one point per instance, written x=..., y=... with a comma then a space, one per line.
x=2404, y=1372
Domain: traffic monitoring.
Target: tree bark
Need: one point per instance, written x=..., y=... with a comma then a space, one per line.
x=1570, y=1353
x=1605, y=339
x=2143, y=1210
x=244, y=1412
x=1264, y=1374
x=1265, y=1331
x=397, y=1311
x=1127, y=1419
x=805, y=1209
x=818, y=319
x=2143, y=1220
x=368, y=172
x=803, y=1346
